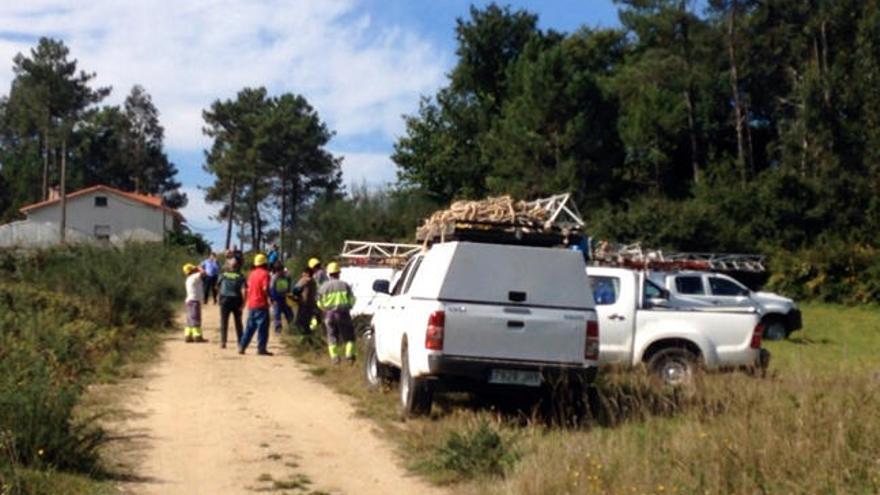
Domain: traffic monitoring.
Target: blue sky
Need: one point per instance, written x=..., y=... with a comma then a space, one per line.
x=361, y=63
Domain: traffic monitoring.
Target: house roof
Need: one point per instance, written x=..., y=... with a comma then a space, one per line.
x=152, y=201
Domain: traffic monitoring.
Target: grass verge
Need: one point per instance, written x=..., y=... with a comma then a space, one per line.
x=810, y=426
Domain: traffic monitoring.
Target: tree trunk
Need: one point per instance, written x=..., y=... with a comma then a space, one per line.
x=294, y=204
x=283, y=216
x=692, y=131
x=689, y=95
x=63, y=232
x=734, y=86
x=259, y=222
x=45, y=191
x=231, y=214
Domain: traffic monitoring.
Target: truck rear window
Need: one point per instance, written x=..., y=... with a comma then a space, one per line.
x=689, y=285
x=605, y=289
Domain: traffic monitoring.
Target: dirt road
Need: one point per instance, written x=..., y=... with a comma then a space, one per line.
x=213, y=422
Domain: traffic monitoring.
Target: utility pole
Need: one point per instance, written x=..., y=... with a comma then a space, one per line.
x=164, y=219
x=63, y=233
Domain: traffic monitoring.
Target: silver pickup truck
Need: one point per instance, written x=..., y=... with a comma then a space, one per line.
x=780, y=315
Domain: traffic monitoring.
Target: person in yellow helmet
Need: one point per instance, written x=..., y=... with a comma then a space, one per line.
x=318, y=272
x=193, y=303
x=258, y=307
x=336, y=299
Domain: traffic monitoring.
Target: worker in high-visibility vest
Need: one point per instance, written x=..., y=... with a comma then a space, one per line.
x=335, y=298
x=279, y=288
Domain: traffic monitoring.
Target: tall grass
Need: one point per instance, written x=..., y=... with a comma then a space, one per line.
x=811, y=426
x=69, y=317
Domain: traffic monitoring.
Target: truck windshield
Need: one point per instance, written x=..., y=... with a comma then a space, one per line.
x=651, y=291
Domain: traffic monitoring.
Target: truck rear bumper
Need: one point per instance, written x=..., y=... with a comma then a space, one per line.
x=478, y=370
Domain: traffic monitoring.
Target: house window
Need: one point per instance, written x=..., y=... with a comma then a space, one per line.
x=102, y=232
x=100, y=201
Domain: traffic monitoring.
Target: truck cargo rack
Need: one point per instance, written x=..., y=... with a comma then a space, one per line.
x=558, y=223
x=635, y=257
x=525, y=234
x=370, y=253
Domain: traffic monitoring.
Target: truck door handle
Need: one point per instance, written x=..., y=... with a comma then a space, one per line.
x=515, y=324
x=616, y=316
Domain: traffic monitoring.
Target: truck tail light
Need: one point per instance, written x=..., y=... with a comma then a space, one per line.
x=756, y=336
x=591, y=344
x=434, y=335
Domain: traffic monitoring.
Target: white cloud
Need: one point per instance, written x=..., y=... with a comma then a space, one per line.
x=370, y=169
x=198, y=213
x=360, y=77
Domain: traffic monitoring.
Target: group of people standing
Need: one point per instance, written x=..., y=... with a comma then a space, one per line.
x=317, y=294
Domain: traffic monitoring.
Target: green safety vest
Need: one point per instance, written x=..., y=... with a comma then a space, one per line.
x=335, y=294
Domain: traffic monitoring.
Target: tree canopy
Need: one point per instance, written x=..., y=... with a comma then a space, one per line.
x=52, y=116
x=741, y=125
x=268, y=156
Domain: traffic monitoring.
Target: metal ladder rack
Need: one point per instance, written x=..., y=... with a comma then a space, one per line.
x=634, y=256
x=377, y=253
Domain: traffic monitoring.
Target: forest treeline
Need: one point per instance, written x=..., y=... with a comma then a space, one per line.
x=745, y=126
x=724, y=125
x=728, y=125
x=53, y=118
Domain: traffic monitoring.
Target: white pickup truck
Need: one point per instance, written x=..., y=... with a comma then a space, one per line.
x=780, y=315
x=640, y=325
x=467, y=313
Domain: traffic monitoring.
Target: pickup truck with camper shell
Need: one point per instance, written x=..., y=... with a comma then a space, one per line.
x=641, y=323
x=780, y=315
x=478, y=314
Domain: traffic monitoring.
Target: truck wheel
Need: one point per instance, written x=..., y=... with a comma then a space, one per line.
x=674, y=366
x=376, y=374
x=416, y=394
x=774, y=329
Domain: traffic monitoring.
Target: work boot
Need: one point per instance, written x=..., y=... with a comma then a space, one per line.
x=241, y=350
x=199, y=339
x=351, y=360
x=336, y=360
x=265, y=353
x=188, y=339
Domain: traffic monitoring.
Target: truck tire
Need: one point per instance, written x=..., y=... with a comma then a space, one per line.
x=376, y=374
x=674, y=366
x=774, y=329
x=416, y=394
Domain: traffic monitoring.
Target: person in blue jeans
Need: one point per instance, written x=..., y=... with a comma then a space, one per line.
x=279, y=288
x=211, y=271
x=258, y=308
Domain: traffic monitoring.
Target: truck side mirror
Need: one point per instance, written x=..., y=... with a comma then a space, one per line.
x=382, y=286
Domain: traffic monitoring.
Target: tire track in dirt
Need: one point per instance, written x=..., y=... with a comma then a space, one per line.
x=209, y=421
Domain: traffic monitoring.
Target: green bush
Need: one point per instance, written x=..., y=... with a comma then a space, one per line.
x=480, y=451
x=70, y=316
x=834, y=271
x=130, y=285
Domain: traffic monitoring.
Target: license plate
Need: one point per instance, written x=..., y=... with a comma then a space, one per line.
x=515, y=377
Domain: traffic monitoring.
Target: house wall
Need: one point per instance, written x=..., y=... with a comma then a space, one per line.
x=127, y=220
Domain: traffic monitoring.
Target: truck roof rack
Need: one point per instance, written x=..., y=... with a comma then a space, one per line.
x=503, y=233
x=370, y=253
x=545, y=222
x=634, y=256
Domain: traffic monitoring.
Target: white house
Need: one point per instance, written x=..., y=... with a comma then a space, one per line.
x=95, y=214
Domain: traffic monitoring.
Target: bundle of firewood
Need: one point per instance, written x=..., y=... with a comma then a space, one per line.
x=498, y=210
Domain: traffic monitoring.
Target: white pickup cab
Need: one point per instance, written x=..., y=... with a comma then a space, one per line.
x=483, y=314
x=640, y=324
